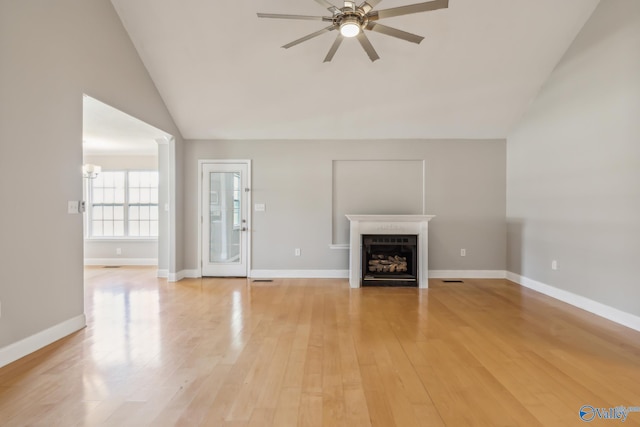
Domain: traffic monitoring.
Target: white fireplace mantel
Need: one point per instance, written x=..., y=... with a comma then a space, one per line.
x=388, y=224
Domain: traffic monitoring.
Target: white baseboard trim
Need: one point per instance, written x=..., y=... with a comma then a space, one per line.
x=597, y=308
x=300, y=274
x=120, y=261
x=35, y=342
x=467, y=274
x=344, y=274
x=162, y=274
x=183, y=274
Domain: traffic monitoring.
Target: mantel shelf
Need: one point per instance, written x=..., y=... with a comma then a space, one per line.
x=390, y=218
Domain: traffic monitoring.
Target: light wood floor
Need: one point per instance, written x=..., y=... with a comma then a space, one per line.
x=230, y=352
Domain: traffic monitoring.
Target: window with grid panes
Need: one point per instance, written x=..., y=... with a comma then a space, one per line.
x=123, y=204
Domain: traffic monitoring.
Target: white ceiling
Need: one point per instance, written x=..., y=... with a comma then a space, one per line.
x=108, y=131
x=223, y=75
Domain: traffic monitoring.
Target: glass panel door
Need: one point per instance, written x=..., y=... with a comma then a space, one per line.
x=224, y=219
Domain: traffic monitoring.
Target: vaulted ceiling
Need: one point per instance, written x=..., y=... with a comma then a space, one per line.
x=223, y=75
x=108, y=131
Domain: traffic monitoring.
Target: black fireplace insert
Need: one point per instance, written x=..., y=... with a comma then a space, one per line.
x=389, y=260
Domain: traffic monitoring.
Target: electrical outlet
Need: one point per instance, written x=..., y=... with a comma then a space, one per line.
x=554, y=265
x=463, y=252
x=118, y=251
x=297, y=252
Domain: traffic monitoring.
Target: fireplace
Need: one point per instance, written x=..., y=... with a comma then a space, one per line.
x=389, y=260
x=402, y=225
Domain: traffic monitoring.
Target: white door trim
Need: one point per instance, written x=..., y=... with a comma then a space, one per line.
x=201, y=163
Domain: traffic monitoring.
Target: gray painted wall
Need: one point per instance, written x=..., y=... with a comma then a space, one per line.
x=574, y=167
x=50, y=54
x=464, y=181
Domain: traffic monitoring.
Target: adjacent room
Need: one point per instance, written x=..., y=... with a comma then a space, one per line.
x=319, y=213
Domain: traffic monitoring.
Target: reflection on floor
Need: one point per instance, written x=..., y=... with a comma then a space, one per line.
x=222, y=352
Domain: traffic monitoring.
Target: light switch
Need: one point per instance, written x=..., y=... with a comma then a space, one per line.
x=73, y=207
x=260, y=207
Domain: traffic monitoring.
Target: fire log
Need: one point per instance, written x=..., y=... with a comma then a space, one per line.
x=387, y=264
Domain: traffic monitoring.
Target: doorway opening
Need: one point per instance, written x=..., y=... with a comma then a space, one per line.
x=128, y=183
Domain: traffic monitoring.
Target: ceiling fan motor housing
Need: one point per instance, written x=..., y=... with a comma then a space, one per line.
x=348, y=19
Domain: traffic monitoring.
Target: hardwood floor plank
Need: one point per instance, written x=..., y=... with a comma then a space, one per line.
x=262, y=417
x=313, y=352
x=380, y=411
x=310, y=413
x=288, y=407
x=195, y=412
x=355, y=406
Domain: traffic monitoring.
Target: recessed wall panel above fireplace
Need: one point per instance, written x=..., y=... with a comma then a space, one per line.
x=379, y=187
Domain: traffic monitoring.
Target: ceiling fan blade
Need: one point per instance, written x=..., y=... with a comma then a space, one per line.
x=334, y=48
x=310, y=36
x=366, y=45
x=305, y=17
x=331, y=8
x=394, y=32
x=412, y=8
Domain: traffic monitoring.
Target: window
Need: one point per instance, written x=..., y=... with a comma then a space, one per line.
x=236, y=200
x=143, y=204
x=123, y=204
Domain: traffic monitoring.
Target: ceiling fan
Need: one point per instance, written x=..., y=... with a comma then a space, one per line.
x=352, y=20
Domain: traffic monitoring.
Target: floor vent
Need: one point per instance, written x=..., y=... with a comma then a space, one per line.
x=453, y=281
x=263, y=280
x=111, y=266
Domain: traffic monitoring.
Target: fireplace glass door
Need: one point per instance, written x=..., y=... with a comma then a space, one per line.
x=389, y=260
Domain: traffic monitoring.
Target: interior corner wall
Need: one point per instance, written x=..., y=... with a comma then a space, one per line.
x=464, y=186
x=573, y=167
x=51, y=53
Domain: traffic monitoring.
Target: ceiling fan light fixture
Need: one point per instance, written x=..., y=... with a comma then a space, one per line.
x=351, y=20
x=350, y=27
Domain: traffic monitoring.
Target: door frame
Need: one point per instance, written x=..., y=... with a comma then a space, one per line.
x=248, y=234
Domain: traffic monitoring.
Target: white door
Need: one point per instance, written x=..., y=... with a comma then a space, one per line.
x=225, y=190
